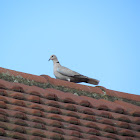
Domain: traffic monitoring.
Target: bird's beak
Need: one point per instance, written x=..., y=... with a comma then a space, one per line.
x=49, y=59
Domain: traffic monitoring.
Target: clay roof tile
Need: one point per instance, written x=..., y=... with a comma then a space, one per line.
x=43, y=108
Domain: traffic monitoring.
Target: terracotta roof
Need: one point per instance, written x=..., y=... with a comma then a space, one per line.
x=42, y=108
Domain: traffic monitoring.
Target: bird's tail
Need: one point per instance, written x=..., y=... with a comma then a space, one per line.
x=92, y=81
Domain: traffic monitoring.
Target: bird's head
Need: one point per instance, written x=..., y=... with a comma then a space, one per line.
x=53, y=57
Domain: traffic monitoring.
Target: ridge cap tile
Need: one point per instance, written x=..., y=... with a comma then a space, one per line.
x=120, y=94
x=36, y=78
x=91, y=89
x=72, y=85
x=46, y=79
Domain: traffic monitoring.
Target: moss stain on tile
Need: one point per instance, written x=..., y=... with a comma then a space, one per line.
x=20, y=79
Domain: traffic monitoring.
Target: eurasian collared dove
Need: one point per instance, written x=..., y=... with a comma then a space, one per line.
x=66, y=74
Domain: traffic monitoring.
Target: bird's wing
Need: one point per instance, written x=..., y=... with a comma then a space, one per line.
x=76, y=76
x=67, y=72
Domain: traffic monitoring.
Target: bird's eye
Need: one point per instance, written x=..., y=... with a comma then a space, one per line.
x=52, y=56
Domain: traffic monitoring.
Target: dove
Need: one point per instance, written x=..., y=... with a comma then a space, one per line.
x=67, y=74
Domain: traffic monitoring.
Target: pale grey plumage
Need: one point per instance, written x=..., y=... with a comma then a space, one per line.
x=66, y=74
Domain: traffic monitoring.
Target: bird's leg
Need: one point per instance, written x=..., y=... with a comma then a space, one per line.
x=68, y=79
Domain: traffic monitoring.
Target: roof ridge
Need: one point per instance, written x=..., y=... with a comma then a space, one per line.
x=45, y=81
